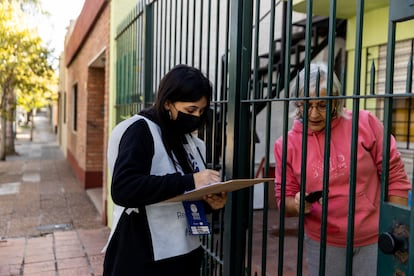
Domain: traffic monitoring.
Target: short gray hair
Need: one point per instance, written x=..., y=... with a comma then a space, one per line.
x=315, y=70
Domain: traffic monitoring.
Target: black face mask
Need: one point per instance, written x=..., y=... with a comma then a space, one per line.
x=186, y=123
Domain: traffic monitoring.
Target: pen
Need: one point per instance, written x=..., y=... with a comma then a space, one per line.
x=202, y=158
x=217, y=167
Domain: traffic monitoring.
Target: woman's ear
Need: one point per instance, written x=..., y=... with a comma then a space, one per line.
x=167, y=105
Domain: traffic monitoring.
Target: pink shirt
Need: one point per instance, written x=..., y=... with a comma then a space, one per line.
x=368, y=188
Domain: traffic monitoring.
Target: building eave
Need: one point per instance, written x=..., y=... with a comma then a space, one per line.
x=344, y=8
x=84, y=24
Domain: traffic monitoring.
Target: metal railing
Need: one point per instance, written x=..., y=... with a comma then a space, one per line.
x=234, y=44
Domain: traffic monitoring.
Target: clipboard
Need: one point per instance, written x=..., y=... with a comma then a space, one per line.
x=214, y=188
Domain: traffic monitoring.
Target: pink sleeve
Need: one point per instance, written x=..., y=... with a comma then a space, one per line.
x=398, y=183
x=292, y=185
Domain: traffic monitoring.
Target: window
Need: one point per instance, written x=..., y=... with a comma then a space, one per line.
x=64, y=107
x=75, y=107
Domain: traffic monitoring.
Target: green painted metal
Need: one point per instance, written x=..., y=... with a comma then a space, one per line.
x=308, y=39
x=200, y=42
x=148, y=56
x=393, y=216
x=254, y=94
x=237, y=133
x=129, y=63
x=208, y=42
x=286, y=73
x=354, y=139
x=269, y=85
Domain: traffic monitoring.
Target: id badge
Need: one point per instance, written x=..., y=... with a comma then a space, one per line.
x=196, y=217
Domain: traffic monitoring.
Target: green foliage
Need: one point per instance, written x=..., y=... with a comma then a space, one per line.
x=26, y=76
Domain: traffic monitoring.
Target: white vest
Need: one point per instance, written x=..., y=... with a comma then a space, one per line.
x=167, y=221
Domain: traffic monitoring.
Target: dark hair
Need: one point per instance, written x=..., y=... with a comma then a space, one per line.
x=181, y=84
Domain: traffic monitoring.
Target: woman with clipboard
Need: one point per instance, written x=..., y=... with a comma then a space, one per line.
x=152, y=157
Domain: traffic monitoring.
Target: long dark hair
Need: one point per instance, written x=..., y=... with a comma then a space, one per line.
x=181, y=84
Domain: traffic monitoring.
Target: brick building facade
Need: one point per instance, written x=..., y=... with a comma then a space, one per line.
x=87, y=76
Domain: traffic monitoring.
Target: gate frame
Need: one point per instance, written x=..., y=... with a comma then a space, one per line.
x=400, y=11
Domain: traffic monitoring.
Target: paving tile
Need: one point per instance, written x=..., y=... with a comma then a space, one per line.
x=40, y=257
x=44, y=273
x=75, y=253
x=15, y=269
x=96, y=250
x=40, y=242
x=72, y=263
x=97, y=263
x=12, y=262
x=93, y=240
x=8, y=270
x=33, y=252
x=13, y=243
x=49, y=195
x=78, y=271
x=66, y=236
x=22, y=226
x=6, y=204
x=39, y=267
x=4, y=270
x=3, y=226
x=68, y=242
x=39, y=250
x=12, y=251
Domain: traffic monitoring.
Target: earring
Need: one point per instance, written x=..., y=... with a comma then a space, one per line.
x=169, y=114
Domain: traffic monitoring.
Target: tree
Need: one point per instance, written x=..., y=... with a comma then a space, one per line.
x=24, y=68
x=36, y=90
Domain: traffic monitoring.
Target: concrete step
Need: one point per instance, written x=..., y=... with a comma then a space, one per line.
x=95, y=194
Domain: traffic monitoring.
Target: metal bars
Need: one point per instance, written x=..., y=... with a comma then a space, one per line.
x=251, y=50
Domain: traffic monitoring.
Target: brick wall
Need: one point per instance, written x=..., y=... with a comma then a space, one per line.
x=95, y=118
x=89, y=70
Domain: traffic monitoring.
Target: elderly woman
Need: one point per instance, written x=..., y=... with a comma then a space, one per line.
x=369, y=155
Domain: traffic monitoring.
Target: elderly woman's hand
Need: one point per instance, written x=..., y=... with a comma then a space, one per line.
x=297, y=204
x=216, y=201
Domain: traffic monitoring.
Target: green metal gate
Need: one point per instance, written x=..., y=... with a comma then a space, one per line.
x=396, y=222
x=252, y=50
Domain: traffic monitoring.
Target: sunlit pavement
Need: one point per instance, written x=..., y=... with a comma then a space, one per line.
x=48, y=224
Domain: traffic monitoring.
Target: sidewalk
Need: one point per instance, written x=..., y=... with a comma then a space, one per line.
x=48, y=224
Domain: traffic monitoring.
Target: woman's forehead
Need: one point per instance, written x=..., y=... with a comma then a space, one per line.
x=200, y=103
x=313, y=92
